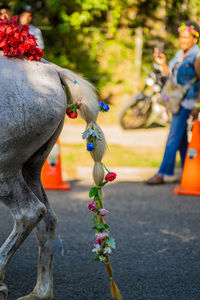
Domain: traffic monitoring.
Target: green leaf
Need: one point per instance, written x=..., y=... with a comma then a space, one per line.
x=99, y=225
x=102, y=184
x=93, y=192
x=95, y=259
x=106, y=226
x=99, y=195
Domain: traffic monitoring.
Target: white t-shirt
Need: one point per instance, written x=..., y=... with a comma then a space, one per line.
x=38, y=34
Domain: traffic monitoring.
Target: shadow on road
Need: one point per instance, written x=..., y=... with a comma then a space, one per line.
x=157, y=255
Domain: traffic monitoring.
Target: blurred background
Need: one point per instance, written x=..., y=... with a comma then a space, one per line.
x=110, y=42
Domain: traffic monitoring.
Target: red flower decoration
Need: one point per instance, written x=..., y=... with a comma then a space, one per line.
x=110, y=176
x=71, y=114
x=16, y=41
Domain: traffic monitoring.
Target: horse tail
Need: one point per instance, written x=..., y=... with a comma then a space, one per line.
x=81, y=89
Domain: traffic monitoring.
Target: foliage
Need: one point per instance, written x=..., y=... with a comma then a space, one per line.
x=97, y=38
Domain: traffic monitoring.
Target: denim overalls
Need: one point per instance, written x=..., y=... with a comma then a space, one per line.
x=177, y=139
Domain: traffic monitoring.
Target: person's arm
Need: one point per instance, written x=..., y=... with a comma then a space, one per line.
x=196, y=110
x=161, y=60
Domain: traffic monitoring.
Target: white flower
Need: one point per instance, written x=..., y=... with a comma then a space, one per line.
x=96, y=248
x=107, y=250
x=102, y=258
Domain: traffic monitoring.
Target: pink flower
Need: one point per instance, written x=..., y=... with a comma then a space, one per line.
x=103, y=212
x=79, y=102
x=101, y=235
x=92, y=206
x=97, y=241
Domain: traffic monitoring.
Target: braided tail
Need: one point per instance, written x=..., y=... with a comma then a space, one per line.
x=81, y=89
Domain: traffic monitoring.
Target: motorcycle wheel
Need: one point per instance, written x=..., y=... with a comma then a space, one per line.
x=135, y=113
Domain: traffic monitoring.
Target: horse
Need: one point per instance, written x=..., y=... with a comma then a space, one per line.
x=32, y=111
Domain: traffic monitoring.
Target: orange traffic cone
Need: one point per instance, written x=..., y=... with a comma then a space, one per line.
x=51, y=171
x=190, y=181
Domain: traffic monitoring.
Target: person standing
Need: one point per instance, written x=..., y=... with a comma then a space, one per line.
x=183, y=68
x=25, y=17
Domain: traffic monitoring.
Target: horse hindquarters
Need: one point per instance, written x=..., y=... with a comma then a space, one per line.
x=32, y=109
x=32, y=105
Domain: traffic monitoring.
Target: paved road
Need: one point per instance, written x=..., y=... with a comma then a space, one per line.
x=158, y=253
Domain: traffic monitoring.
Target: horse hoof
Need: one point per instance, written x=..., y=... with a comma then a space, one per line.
x=31, y=298
x=34, y=297
x=3, y=291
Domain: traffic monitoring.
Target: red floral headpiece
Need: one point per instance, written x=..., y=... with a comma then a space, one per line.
x=16, y=41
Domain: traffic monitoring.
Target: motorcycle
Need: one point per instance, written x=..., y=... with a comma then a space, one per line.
x=144, y=109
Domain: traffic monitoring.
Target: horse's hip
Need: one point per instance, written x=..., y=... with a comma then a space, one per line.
x=32, y=105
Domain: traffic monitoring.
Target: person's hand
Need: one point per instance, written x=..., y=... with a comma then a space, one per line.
x=194, y=113
x=160, y=59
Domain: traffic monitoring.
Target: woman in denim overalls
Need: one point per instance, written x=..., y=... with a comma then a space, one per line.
x=184, y=67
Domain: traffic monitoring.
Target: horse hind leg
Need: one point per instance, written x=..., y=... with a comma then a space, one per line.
x=45, y=233
x=45, y=230
x=3, y=291
x=27, y=211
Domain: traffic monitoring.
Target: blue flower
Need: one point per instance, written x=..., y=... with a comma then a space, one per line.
x=90, y=147
x=101, y=104
x=106, y=107
x=75, y=81
x=103, y=107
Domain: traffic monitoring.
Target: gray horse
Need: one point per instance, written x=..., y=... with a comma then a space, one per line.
x=32, y=112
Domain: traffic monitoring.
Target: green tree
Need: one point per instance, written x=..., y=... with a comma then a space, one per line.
x=97, y=38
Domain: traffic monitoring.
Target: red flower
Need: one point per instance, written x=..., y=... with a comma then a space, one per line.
x=13, y=20
x=39, y=54
x=110, y=176
x=30, y=41
x=22, y=48
x=10, y=29
x=71, y=114
x=5, y=49
x=3, y=43
x=15, y=40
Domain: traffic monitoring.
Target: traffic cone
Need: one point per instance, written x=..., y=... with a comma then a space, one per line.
x=51, y=171
x=190, y=181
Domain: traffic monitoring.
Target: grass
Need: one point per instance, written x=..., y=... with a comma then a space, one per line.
x=76, y=155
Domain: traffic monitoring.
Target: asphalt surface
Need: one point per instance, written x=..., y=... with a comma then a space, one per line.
x=158, y=245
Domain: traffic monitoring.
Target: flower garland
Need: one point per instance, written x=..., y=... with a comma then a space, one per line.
x=189, y=28
x=104, y=243
x=16, y=41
